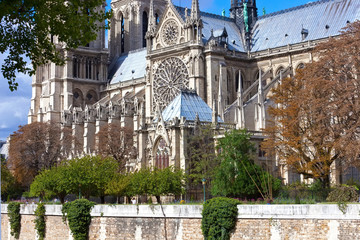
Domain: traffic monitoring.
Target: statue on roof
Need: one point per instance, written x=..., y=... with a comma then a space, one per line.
x=246, y=17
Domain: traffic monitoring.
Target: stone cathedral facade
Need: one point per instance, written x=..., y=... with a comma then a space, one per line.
x=168, y=69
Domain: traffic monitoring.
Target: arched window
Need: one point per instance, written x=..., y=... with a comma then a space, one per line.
x=157, y=19
x=91, y=97
x=145, y=27
x=78, y=98
x=280, y=69
x=122, y=34
x=75, y=67
x=300, y=66
x=88, y=68
x=161, y=155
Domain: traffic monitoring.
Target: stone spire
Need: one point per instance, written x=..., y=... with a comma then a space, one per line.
x=220, y=100
x=240, y=108
x=152, y=21
x=195, y=10
x=261, y=106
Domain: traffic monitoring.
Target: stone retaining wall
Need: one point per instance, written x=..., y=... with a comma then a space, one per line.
x=119, y=222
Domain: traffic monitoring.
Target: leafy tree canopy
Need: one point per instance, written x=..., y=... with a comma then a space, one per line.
x=28, y=26
x=238, y=175
x=316, y=112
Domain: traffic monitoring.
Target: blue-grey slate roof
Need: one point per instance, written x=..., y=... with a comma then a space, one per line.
x=270, y=30
x=187, y=104
x=129, y=66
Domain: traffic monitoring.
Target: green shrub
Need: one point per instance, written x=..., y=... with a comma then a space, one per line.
x=342, y=194
x=40, y=220
x=219, y=218
x=14, y=219
x=78, y=215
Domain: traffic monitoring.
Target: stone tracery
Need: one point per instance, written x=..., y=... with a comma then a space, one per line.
x=170, y=78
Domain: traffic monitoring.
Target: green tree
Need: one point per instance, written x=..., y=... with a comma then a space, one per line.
x=28, y=28
x=165, y=182
x=238, y=175
x=90, y=175
x=201, y=157
x=119, y=186
x=51, y=182
x=9, y=186
x=140, y=182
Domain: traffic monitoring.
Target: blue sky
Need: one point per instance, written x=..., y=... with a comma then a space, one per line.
x=14, y=106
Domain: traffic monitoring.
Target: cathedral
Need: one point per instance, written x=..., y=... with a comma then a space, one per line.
x=168, y=69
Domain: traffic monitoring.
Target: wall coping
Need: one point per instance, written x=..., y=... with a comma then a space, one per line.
x=283, y=211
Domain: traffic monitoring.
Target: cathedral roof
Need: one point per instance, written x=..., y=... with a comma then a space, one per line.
x=217, y=23
x=318, y=20
x=129, y=66
x=187, y=104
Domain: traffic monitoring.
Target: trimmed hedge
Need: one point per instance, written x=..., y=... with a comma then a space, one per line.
x=219, y=218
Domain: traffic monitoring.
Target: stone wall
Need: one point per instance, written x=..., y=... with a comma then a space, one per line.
x=184, y=222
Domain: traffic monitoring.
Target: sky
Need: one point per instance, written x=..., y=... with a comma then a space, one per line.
x=14, y=106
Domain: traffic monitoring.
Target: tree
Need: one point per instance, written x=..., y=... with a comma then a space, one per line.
x=316, y=113
x=50, y=182
x=28, y=28
x=37, y=146
x=201, y=156
x=119, y=186
x=90, y=175
x=9, y=186
x=165, y=182
x=238, y=175
x=117, y=142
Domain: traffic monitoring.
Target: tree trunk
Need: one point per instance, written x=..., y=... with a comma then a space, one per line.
x=102, y=199
x=158, y=199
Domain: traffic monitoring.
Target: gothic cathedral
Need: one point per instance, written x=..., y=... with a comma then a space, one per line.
x=167, y=69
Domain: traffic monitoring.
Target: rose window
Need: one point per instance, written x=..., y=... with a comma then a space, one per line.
x=170, y=78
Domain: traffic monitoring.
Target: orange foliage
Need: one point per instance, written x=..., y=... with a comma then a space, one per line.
x=317, y=112
x=35, y=147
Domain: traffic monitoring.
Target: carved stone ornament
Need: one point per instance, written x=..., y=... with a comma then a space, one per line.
x=170, y=78
x=170, y=33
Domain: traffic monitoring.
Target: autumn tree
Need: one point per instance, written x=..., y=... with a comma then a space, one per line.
x=316, y=115
x=28, y=28
x=117, y=142
x=37, y=146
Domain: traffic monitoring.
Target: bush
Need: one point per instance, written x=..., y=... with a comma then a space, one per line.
x=40, y=220
x=343, y=194
x=14, y=219
x=219, y=218
x=78, y=215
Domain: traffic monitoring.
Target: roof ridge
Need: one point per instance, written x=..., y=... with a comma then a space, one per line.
x=294, y=8
x=206, y=14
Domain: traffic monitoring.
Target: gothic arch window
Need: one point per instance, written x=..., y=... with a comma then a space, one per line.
x=91, y=97
x=161, y=154
x=78, y=98
x=145, y=26
x=76, y=67
x=88, y=68
x=157, y=19
x=122, y=33
x=300, y=66
x=280, y=69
